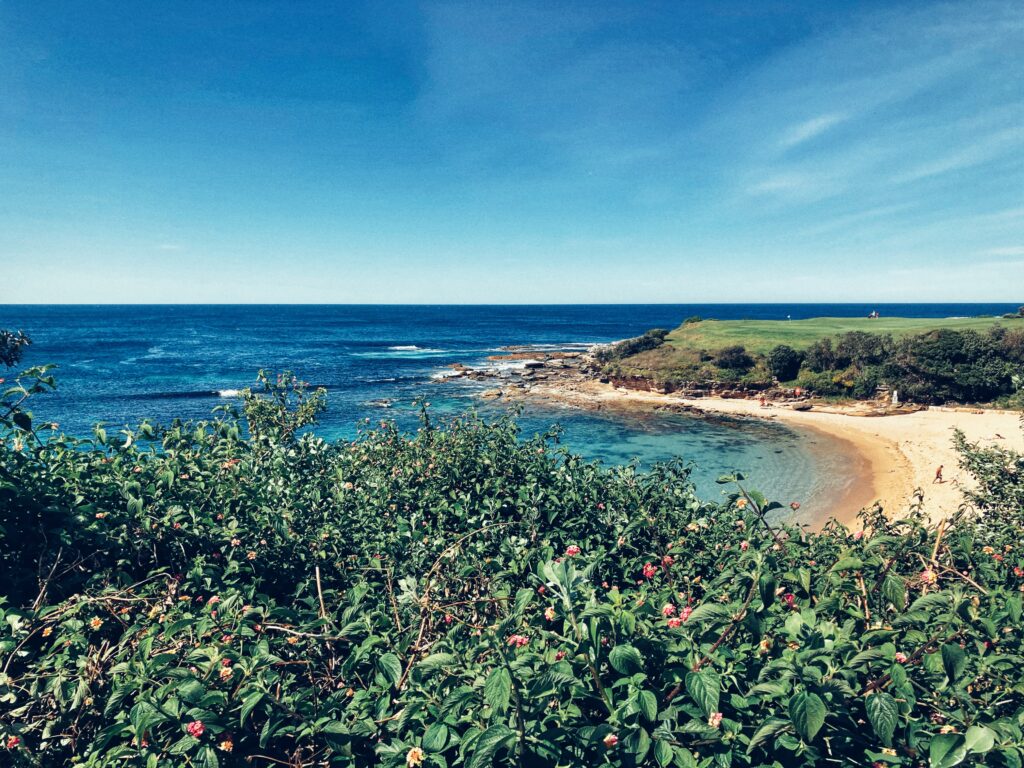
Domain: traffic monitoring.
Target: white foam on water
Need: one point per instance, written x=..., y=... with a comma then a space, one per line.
x=229, y=392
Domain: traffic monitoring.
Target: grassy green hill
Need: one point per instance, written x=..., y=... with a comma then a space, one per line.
x=761, y=336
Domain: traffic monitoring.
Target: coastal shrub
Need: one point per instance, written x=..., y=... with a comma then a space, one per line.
x=239, y=592
x=784, y=362
x=860, y=349
x=733, y=358
x=651, y=339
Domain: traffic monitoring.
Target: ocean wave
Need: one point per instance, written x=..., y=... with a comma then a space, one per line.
x=402, y=353
x=405, y=348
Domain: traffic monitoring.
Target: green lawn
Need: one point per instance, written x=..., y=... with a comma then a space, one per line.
x=761, y=335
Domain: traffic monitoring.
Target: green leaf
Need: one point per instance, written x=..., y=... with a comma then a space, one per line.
x=498, y=689
x=249, y=703
x=435, y=737
x=22, y=420
x=894, y=589
x=456, y=701
x=704, y=688
x=390, y=667
x=647, y=703
x=769, y=728
x=488, y=744
x=626, y=660
x=847, y=564
x=767, y=585
x=807, y=713
x=883, y=714
x=979, y=739
x=437, y=660
x=953, y=660
x=663, y=752
x=946, y=750
x=710, y=612
x=637, y=743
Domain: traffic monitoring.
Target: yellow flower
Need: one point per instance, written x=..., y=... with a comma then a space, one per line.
x=96, y=622
x=947, y=729
x=251, y=555
x=414, y=757
x=292, y=640
x=741, y=503
x=226, y=746
x=47, y=631
x=888, y=751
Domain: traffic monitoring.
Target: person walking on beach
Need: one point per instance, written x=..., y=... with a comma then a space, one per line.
x=938, y=475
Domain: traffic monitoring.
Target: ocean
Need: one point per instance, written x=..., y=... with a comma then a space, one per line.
x=120, y=364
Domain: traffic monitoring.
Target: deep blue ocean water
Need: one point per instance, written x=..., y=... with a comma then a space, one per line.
x=120, y=364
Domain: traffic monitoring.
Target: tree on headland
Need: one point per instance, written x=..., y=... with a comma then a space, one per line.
x=784, y=362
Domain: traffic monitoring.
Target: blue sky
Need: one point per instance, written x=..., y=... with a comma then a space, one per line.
x=511, y=152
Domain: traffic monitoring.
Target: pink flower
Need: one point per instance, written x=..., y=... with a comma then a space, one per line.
x=12, y=741
x=213, y=600
x=549, y=613
x=715, y=720
x=448, y=618
x=794, y=505
x=1018, y=571
x=518, y=641
x=195, y=729
x=901, y=658
x=668, y=609
x=928, y=576
x=572, y=550
x=684, y=614
x=789, y=599
x=667, y=560
x=559, y=655
x=744, y=546
x=649, y=571
x=674, y=623
x=610, y=740
x=600, y=505
x=858, y=535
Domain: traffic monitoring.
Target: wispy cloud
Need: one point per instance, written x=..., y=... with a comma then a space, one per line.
x=985, y=150
x=809, y=129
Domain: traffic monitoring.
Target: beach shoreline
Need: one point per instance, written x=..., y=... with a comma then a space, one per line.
x=887, y=457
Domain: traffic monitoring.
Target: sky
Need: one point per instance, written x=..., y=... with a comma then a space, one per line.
x=511, y=152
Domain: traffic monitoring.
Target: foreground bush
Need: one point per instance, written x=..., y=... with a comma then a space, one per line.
x=238, y=592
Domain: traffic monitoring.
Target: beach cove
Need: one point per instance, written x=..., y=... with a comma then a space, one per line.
x=885, y=458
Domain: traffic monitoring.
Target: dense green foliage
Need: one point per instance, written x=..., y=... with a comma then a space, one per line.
x=937, y=367
x=784, y=362
x=943, y=365
x=652, y=339
x=238, y=592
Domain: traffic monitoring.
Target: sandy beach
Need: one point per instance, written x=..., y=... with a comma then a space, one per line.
x=888, y=456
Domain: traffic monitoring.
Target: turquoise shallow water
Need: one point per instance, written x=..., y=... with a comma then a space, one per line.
x=120, y=364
